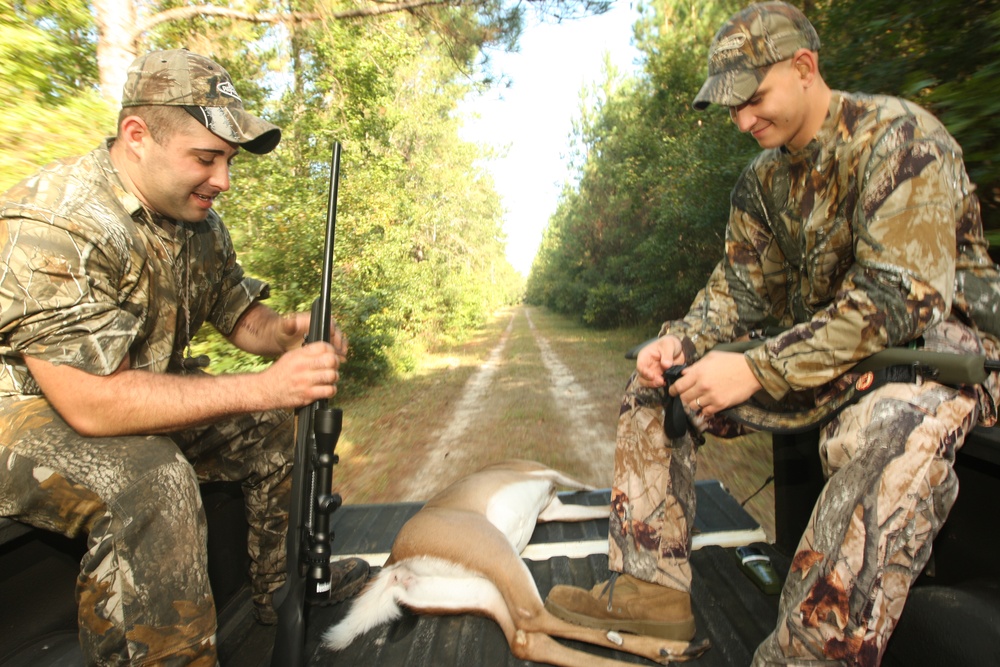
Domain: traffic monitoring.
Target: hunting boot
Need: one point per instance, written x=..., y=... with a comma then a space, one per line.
x=626, y=604
x=347, y=577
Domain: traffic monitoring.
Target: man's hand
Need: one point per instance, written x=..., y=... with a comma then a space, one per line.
x=294, y=328
x=717, y=381
x=657, y=357
x=129, y=402
x=303, y=375
x=262, y=331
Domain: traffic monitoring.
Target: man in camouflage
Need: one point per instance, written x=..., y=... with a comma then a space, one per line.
x=856, y=229
x=112, y=261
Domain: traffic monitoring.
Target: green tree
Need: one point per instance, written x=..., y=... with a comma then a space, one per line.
x=637, y=233
x=942, y=54
x=634, y=238
x=420, y=252
x=418, y=223
x=47, y=101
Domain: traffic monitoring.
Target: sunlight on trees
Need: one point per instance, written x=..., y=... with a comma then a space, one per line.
x=420, y=254
x=638, y=231
x=420, y=248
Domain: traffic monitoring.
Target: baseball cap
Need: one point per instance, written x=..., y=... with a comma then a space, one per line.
x=759, y=36
x=203, y=89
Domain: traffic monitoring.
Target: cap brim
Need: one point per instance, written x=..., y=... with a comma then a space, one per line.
x=239, y=127
x=728, y=89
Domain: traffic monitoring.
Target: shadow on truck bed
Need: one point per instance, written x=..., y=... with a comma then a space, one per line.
x=952, y=616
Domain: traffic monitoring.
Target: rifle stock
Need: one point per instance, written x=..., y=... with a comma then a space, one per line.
x=949, y=367
x=317, y=429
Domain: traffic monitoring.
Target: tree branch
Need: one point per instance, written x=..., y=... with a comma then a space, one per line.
x=181, y=13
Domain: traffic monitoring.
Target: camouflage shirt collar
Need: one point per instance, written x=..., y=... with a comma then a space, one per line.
x=167, y=228
x=128, y=200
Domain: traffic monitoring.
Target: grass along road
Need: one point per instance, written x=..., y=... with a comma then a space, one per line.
x=529, y=384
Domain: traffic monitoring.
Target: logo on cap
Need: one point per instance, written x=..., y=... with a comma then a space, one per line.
x=729, y=43
x=227, y=88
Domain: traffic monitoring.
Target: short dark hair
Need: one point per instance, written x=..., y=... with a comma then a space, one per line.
x=163, y=121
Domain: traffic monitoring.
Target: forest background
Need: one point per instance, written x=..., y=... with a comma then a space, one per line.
x=420, y=247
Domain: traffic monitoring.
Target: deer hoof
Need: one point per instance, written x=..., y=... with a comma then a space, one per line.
x=691, y=651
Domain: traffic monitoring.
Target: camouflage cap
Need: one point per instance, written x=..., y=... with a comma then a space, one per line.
x=203, y=89
x=753, y=39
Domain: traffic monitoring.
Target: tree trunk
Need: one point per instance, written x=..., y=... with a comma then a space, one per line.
x=116, y=48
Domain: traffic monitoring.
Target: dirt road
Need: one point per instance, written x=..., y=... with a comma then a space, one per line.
x=547, y=392
x=531, y=385
x=587, y=437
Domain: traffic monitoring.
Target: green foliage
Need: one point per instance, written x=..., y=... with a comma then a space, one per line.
x=634, y=239
x=419, y=244
x=33, y=133
x=40, y=46
x=637, y=234
x=48, y=100
x=417, y=224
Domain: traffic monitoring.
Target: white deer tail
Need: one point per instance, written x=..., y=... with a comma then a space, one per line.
x=377, y=604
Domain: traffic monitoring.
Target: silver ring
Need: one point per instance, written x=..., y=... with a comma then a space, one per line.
x=697, y=402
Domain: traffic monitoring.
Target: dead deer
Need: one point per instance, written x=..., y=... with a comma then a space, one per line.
x=461, y=554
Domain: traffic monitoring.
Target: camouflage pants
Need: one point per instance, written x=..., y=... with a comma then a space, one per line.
x=888, y=460
x=143, y=590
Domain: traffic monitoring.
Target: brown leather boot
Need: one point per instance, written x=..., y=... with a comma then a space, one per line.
x=626, y=604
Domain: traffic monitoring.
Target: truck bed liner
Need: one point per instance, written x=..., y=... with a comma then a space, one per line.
x=729, y=608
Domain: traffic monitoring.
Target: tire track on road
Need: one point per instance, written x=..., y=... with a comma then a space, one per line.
x=441, y=458
x=447, y=455
x=579, y=410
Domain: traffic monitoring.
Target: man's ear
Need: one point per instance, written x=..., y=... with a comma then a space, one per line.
x=806, y=64
x=132, y=132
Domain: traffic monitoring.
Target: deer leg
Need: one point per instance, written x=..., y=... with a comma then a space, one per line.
x=521, y=615
x=662, y=651
x=480, y=571
x=531, y=620
x=540, y=647
x=556, y=510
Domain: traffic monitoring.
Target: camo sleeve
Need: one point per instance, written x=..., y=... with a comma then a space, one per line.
x=850, y=244
x=58, y=296
x=736, y=297
x=903, y=275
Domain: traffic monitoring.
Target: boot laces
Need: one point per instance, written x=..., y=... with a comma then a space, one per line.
x=609, y=588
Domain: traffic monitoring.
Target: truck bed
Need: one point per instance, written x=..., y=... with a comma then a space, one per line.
x=729, y=609
x=952, y=615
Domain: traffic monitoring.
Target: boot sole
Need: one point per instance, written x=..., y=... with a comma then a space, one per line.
x=676, y=630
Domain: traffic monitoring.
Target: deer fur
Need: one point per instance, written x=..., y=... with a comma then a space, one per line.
x=461, y=554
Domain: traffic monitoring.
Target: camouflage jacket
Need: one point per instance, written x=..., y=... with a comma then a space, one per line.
x=861, y=240
x=90, y=276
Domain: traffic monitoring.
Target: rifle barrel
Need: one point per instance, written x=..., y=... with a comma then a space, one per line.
x=317, y=427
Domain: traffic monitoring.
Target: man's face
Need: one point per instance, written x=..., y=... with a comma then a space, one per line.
x=181, y=177
x=776, y=114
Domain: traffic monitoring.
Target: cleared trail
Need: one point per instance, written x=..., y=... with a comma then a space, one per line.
x=587, y=435
x=581, y=411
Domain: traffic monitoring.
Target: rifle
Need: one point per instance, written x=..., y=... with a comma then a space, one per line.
x=317, y=428
x=946, y=367
x=895, y=364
